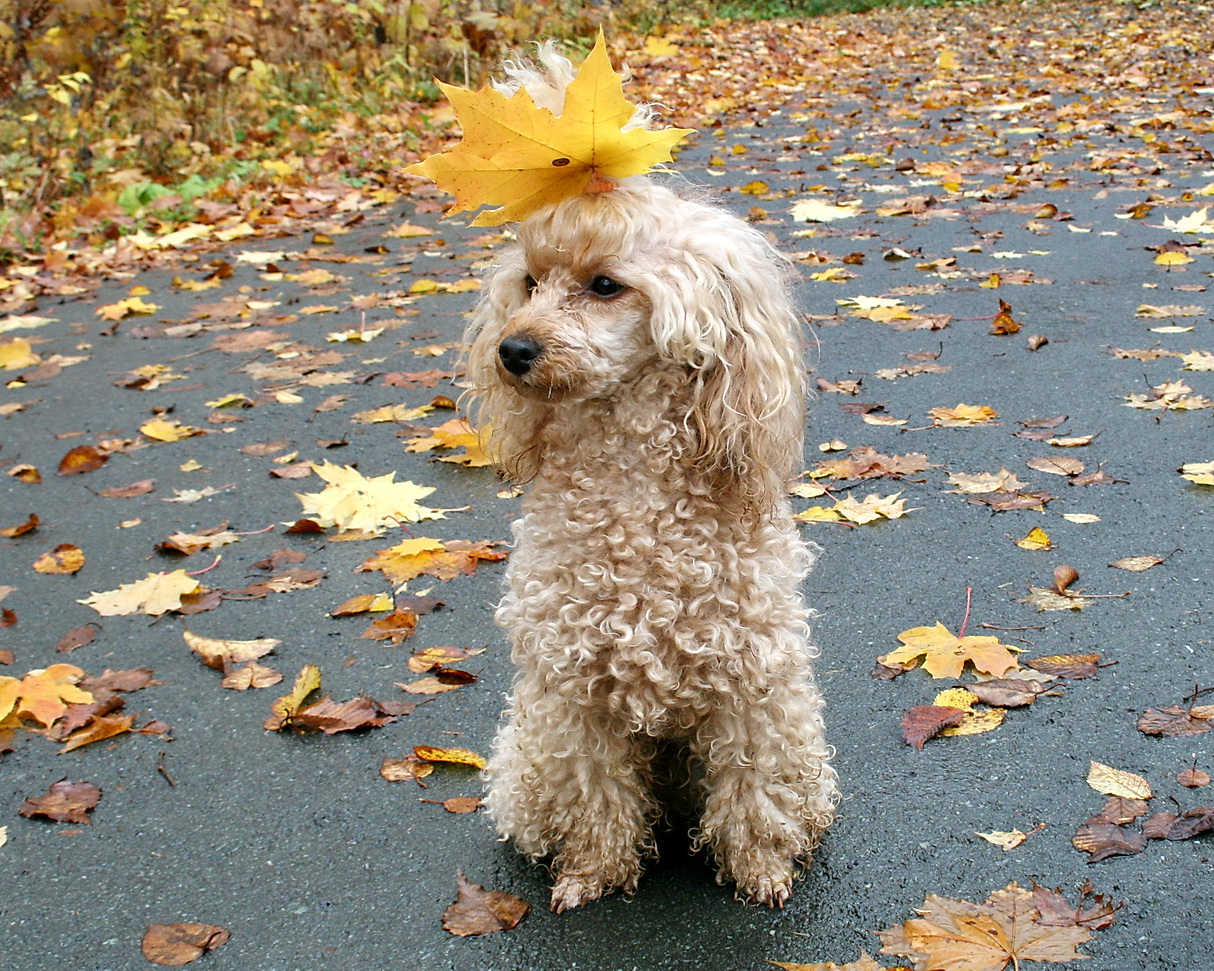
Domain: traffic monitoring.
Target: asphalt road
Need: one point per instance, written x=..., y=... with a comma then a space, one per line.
x=296, y=845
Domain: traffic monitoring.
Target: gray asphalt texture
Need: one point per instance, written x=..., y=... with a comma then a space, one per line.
x=297, y=846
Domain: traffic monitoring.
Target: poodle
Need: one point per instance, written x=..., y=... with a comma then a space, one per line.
x=636, y=359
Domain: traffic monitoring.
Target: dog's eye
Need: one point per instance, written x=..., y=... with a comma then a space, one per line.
x=530, y=284
x=604, y=286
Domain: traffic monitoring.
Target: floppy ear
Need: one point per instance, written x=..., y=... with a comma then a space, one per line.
x=723, y=310
x=507, y=423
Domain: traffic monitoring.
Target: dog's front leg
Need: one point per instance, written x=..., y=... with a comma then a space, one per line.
x=770, y=792
x=562, y=783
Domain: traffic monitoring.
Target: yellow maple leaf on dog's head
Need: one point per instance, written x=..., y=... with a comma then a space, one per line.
x=520, y=157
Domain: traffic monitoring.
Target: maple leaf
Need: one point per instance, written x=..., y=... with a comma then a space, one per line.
x=961, y=936
x=454, y=434
x=64, y=802
x=944, y=654
x=155, y=594
x=397, y=626
x=477, y=911
x=353, y=502
x=872, y=508
x=44, y=695
x=521, y=157
x=98, y=730
x=422, y=555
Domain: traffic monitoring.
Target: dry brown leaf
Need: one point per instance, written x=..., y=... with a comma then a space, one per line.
x=82, y=458
x=173, y=945
x=1103, y=840
x=1073, y=666
x=961, y=936
x=397, y=626
x=410, y=767
x=1176, y=721
x=30, y=524
x=97, y=730
x=477, y=911
x=64, y=802
x=1056, y=465
x=219, y=654
x=251, y=675
x=924, y=722
x=1137, y=564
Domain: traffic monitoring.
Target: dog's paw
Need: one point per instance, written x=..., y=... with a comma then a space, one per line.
x=574, y=890
x=765, y=889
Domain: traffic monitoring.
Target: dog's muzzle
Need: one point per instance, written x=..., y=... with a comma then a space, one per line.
x=518, y=353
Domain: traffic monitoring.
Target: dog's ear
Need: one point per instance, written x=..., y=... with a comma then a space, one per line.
x=506, y=422
x=723, y=311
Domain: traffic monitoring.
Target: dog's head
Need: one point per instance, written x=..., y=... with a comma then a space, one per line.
x=607, y=288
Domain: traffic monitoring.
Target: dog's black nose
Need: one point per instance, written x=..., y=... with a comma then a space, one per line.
x=518, y=353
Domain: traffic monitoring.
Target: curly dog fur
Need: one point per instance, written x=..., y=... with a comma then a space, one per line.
x=637, y=360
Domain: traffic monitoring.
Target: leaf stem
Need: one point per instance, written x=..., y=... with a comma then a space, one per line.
x=969, y=593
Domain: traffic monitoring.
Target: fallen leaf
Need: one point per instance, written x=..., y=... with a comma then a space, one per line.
x=77, y=637
x=98, y=729
x=82, y=458
x=444, y=560
x=173, y=945
x=352, y=501
x=155, y=594
x=963, y=415
x=410, y=767
x=1137, y=564
x=1177, y=721
x=477, y=911
x=64, y=802
x=285, y=709
x=1117, y=782
x=219, y=654
x=64, y=560
x=251, y=675
x=1005, y=840
x=944, y=655
x=924, y=722
x=456, y=756
x=962, y=936
x=1103, y=840
x=1036, y=539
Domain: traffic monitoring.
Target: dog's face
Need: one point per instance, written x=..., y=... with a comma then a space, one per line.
x=577, y=325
